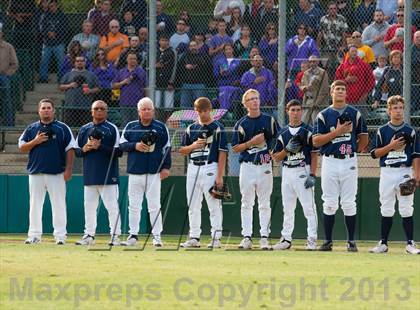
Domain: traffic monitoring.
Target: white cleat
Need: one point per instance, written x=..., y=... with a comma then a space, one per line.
x=60, y=241
x=246, y=244
x=412, y=249
x=311, y=244
x=32, y=240
x=157, y=242
x=131, y=241
x=114, y=241
x=214, y=244
x=283, y=244
x=86, y=240
x=380, y=248
x=264, y=244
x=191, y=243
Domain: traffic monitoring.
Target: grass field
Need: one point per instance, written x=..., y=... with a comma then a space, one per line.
x=47, y=276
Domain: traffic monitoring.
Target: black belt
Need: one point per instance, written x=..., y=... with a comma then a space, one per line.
x=201, y=162
x=290, y=166
x=252, y=162
x=340, y=156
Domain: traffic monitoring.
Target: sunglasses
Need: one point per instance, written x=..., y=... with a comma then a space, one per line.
x=400, y=15
x=99, y=109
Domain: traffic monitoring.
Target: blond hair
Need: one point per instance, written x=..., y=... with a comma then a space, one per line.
x=393, y=100
x=249, y=91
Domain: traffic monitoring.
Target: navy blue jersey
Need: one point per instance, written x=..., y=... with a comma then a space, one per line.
x=402, y=157
x=215, y=137
x=100, y=167
x=246, y=128
x=159, y=155
x=48, y=157
x=302, y=158
x=345, y=144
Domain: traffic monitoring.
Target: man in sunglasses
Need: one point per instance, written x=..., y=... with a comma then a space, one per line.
x=394, y=37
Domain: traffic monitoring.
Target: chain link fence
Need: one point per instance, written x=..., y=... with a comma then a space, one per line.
x=104, y=54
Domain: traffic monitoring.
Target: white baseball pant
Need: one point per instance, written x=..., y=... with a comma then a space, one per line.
x=109, y=196
x=339, y=180
x=292, y=187
x=138, y=185
x=199, y=181
x=389, y=190
x=39, y=184
x=255, y=179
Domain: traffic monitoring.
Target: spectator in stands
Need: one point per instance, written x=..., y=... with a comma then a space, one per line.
x=133, y=48
x=315, y=88
x=114, y=43
x=304, y=65
x=225, y=71
x=235, y=23
x=374, y=34
x=165, y=74
x=180, y=39
x=388, y=7
x=218, y=41
x=298, y=48
x=309, y=15
x=96, y=8
x=185, y=16
x=415, y=14
x=346, y=9
x=137, y=7
x=394, y=37
x=22, y=13
x=252, y=14
x=164, y=22
x=363, y=51
x=267, y=15
x=8, y=66
x=415, y=73
x=202, y=47
x=378, y=72
x=41, y=11
x=331, y=38
x=105, y=74
x=211, y=29
x=79, y=86
x=87, y=39
x=245, y=64
x=192, y=70
x=268, y=45
x=364, y=14
x=144, y=45
x=224, y=8
x=132, y=83
x=129, y=25
x=74, y=50
x=359, y=78
x=261, y=79
x=391, y=82
x=53, y=30
x=102, y=17
x=243, y=45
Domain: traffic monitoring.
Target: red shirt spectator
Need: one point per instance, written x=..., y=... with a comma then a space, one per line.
x=358, y=75
x=394, y=37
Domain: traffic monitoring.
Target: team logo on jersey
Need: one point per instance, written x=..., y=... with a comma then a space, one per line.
x=395, y=157
x=342, y=138
x=297, y=159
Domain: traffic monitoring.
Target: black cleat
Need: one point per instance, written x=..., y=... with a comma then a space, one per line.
x=351, y=246
x=326, y=246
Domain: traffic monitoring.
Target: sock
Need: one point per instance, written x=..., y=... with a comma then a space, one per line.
x=408, y=228
x=328, y=226
x=351, y=226
x=386, y=224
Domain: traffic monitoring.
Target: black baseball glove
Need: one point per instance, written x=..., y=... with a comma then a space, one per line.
x=408, y=187
x=295, y=144
x=345, y=117
x=96, y=134
x=407, y=137
x=47, y=130
x=149, y=138
x=265, y=132
x=220, y=192
x=205, y=132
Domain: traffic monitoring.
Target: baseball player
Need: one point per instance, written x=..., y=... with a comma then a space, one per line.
x=300, y=159
x=340, y=131
x=149, y=159
x=252, y=138
x=98, y=145
x=398, y=147
x=50, y=145
x=206, y=146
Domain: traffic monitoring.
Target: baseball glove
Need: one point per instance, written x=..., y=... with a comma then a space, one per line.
x=265, y=132
x=96, y=134
x=345, y=117
x=295, y=144
x=47, y=130
x=220, y=192
x=408, y=187
x=205, y=132
x=407, y=137
x=150, y=137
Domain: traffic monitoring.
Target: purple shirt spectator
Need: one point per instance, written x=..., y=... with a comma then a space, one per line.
x=309, y=15
x=297, y=51
x=105, y=76
x=135, y=90
x=216, y=41
x=268, y=51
